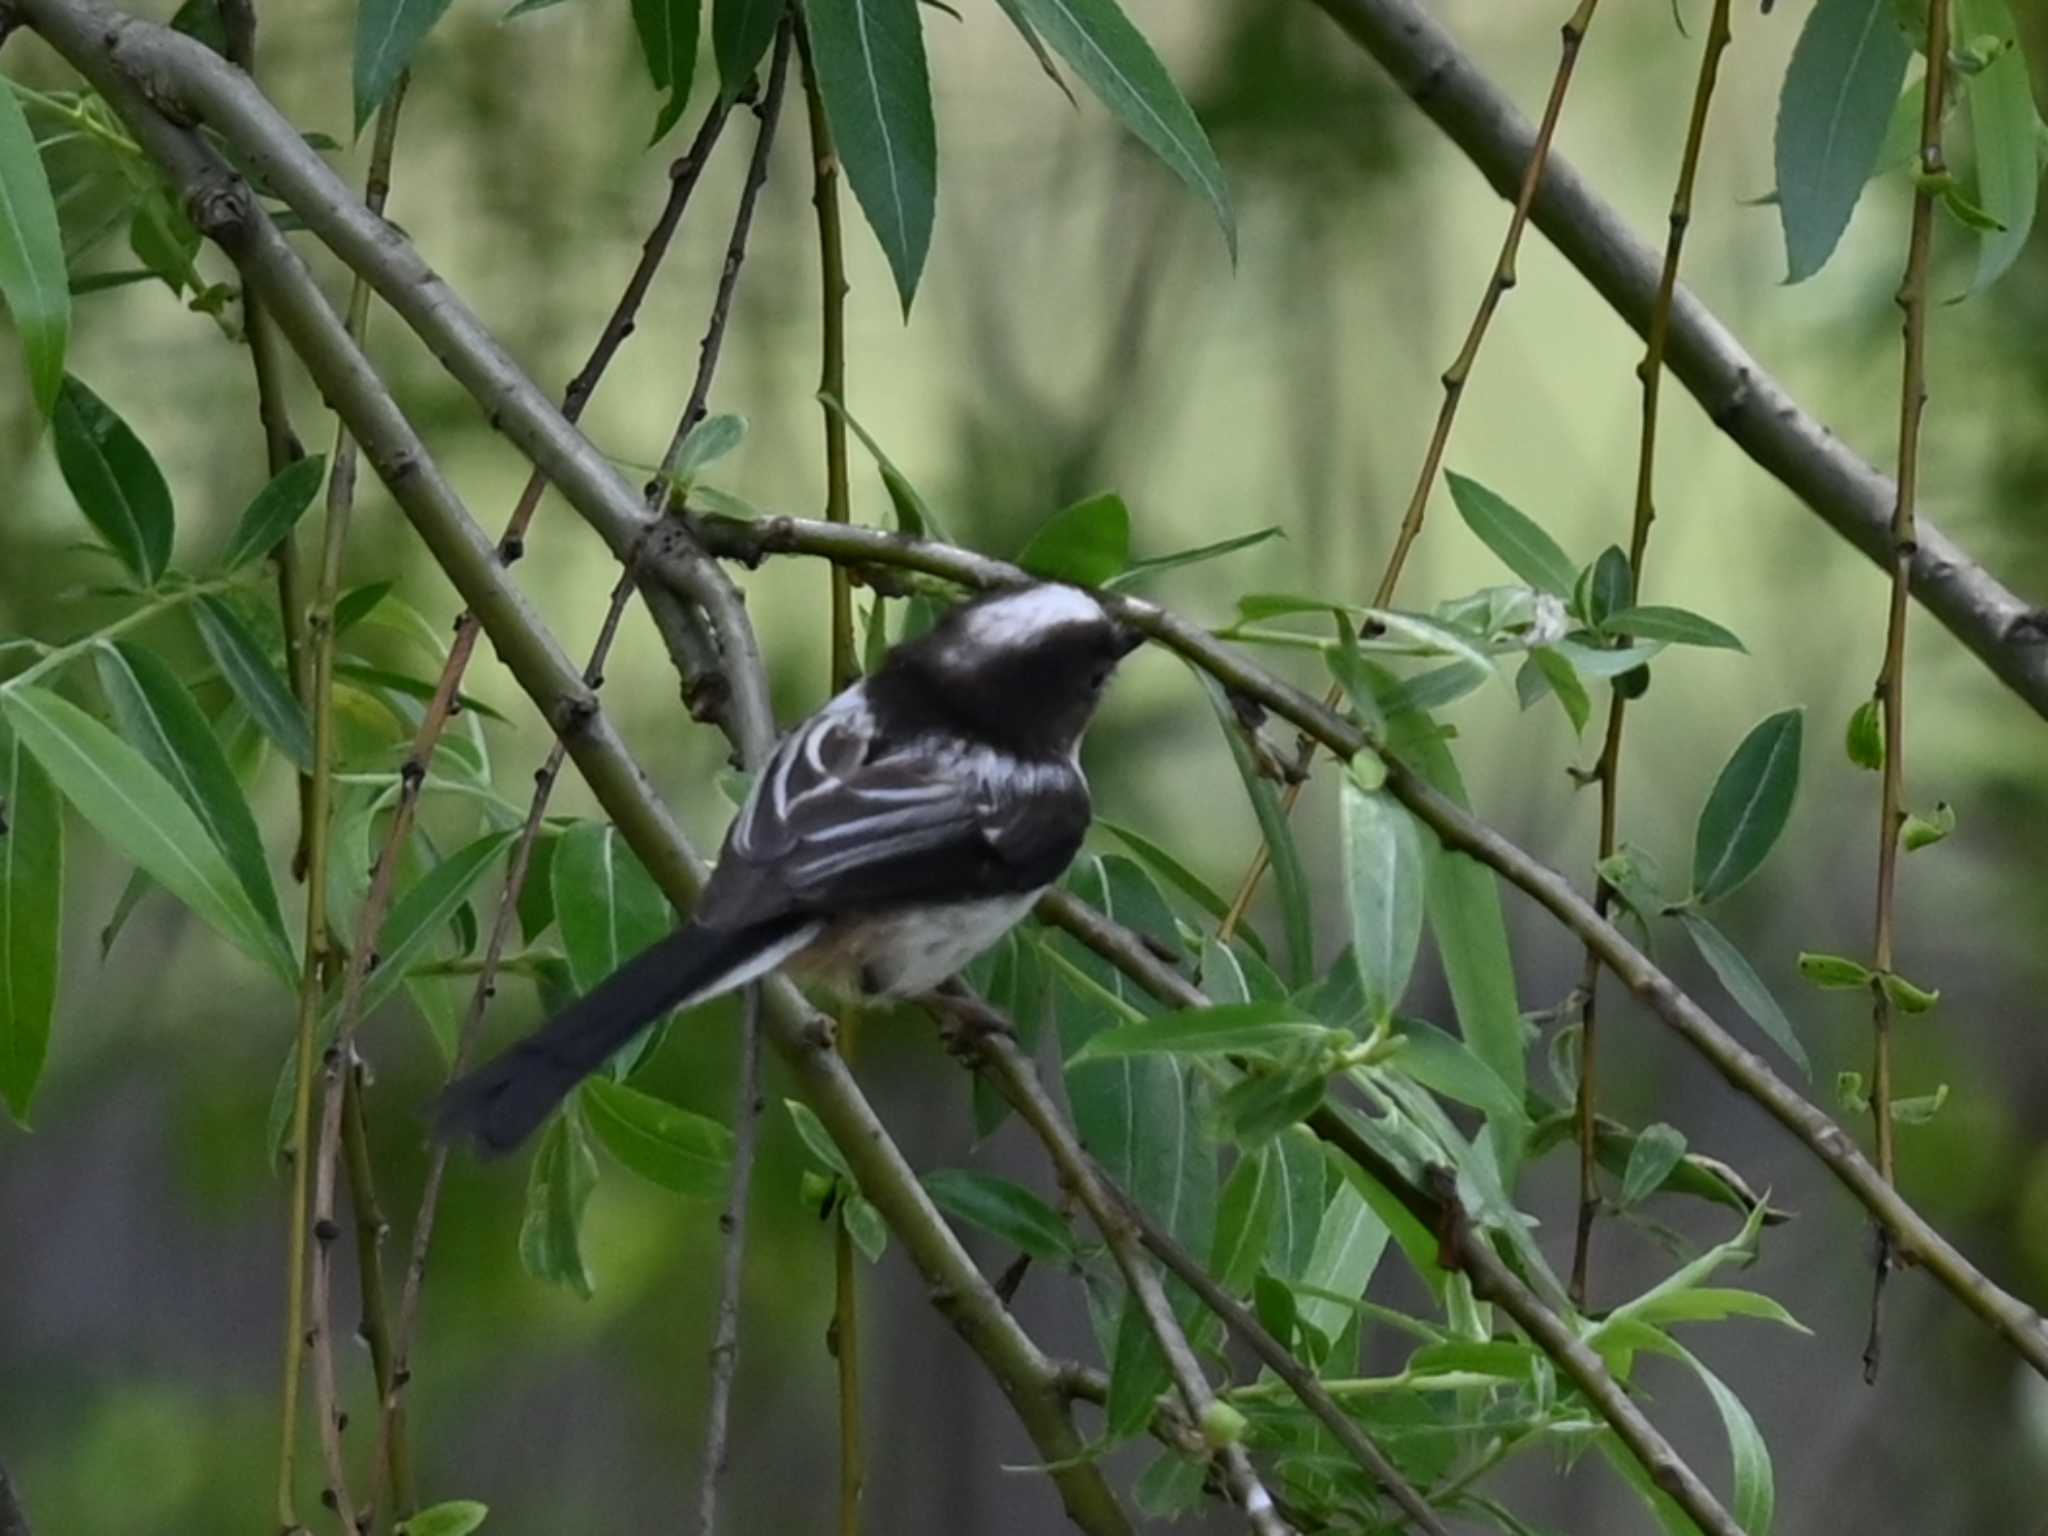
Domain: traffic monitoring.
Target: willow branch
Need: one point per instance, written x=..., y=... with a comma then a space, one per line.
x=1608, y=769
x=732, y=1228
x=2006, y=633
x=1891, y=677
x=1454, y=379
x=393, y=1460
x=996, y=1049
x=1461, y=832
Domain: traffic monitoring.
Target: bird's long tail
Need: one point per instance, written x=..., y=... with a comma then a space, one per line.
x=501, y=1103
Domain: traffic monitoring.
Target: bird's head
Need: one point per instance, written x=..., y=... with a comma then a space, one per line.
x=1024, y=667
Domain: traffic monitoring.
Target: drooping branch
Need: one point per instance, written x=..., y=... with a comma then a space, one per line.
x=2009, y=635
x=1461, y=832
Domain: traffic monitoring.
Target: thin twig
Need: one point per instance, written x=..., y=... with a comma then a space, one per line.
x=339, y=1058
x=1454, y=379
x=1891, y=678
x=1608, y=769
x=832, y=291
x=1283, y=1363
x=996, y=1049
x=1459, y=830
x=394, y=1458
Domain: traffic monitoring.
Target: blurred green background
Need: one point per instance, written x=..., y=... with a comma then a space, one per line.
x=1080, y=327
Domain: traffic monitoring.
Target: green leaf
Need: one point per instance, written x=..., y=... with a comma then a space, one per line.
x=1745, y=986
x=378, y=679
x=668, y=42
x=1864, y=741
x=1748, y=808
x=357, y=604
x=1086, y=543
x=255, y=681
x=1385, y=874
x=1244, y=1219
x=1521, y=544
x=1172, y=1485
x=558, y=1190
x=2002, y=119
x=1834, y=972
x=1755, y=1497
x=129, y=804
x=811, y=1131
x=1610, y=586
x=32, y=279
x=607, y=907
x=456, y=1517
x=741, y=31
x=1919, y=1109
x=1440, y=1061
x=709, y=441
x=1300, y=1173
x=422, y=912
x=114, y=481
x=1253, y=1029
x=1348, y=1247
x=869, y=56
x=1178, y=875
x=388, y=34
x=1137, y=1374
x=1141, y=570
x=662, y=1142
x=1712, y=1304
x=160, y=720
x=1598, y=662
x=1259, y=1107
x=913, y=513
x=31, y=919
x=865, y=1226
x=1289, y=881
x=1675, y=626
x=1656, y=1152
x=1925, y=831
x=1845, y=74
x=1112, y=57
x=273, y=514
x=1906, y=997
x=164, y=240
x=1557, y=676
x=1010, y=1211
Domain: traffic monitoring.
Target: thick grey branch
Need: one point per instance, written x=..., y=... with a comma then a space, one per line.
x=1461, y=832
x=2009, y=635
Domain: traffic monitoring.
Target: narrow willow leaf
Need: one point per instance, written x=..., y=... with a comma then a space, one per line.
x=31, y=919
x=32, y=281
x=1906, y=997
x=1833, y=108
x=114, y=481
x=1253, y=1029
x=1745, y=986
x=1676, y=626
x=131, y=805
x=870, y=61
x=160, y=720
x=1140, y=570
x=1864, y=740
x=1834, y=972
x=273, y=514
x=558, y=1191
x=1755, y=1496
x=1348, y=1247
x=817, y=1140
x=1551, y=673
x=1289, y=881
x=1712, y=1304
x=1172, y=1485
x=741, y=31
x=1919, y=1109
x=2002, y=129
x=1610, y=586
x=420, y=914
x=1519, y=541
x=1137, y=1374
x=1006, y=1209
x=1300, y=1174
x=1176, y=874
x=377, y=678
x=1655, y=1154
x=456, y=1517
x=1244, y=1219
x=1747, y=810
x=1112, y=57
x=258, y=684
x=668, y=42
x=1385, y=875
x=865, y=1226
x=1443, y=1063
x=1087, y=543
x=709, y=441
x=608, y=909
x=662, y=1142
x=388, y=34
x=1671, y=1520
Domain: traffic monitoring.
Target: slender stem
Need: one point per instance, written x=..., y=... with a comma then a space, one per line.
x=832, y=291
x=845, y=1346
x=160, y=603
x=1607, y=771
x=732, y=1227
x=395, y=1456
x=339, y=1058
x=1454, y=379
x=1457, y=829
x=1891, y=678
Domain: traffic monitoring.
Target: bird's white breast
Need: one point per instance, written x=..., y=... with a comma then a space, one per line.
x=913, y=950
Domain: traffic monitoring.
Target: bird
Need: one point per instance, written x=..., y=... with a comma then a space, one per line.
x=893, y=835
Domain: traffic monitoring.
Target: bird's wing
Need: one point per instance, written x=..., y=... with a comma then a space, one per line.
x=843, y=820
